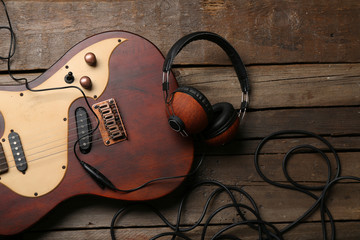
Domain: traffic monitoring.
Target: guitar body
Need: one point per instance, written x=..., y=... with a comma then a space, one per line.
x=126, y=78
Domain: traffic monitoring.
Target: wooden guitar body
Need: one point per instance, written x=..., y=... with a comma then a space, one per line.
x=128, y=72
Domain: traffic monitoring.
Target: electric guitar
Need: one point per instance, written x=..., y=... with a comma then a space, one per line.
x=129, y=142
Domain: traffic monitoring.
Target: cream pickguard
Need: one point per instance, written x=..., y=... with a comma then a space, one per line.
x=41, y=120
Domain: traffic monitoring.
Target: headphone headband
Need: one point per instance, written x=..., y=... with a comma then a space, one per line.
x=215, y=38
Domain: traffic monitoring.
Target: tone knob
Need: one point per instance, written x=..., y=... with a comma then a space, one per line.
x=90, y=59
x=85, y=82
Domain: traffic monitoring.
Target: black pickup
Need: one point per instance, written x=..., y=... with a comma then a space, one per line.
x=83, y=126
x=18, y=152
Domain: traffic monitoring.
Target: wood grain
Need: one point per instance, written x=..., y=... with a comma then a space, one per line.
x=331, y=121
x=231, y=170
x=241, y=147
x=262, y=31
x=276, y=205
x=303, y=60
x=347, y=230
x=279, y=86
x=274, y=86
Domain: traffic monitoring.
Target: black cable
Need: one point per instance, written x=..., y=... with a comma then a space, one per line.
x=12, y=35
x=261, y=225
x=191, y=173
x=12, y=47
x=26, y=82
x=266, y=230
x=179, y=232
x=305, y=146
x=321, y=199
x=258, y=221
x=102, y=180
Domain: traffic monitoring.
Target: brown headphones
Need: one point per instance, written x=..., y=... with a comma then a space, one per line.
x=190, y=112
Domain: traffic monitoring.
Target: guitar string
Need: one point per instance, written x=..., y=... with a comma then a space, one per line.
x=27, y=150
x=26, y=83
x=321, y=200
x=11, y=54
x=97, y=136
x=58, y=146
x=68, y=119
x=89, y=169
x=98, y=140
x=43, y=141
x=71, y=135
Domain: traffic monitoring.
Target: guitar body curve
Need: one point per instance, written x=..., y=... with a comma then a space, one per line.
x=128, y=77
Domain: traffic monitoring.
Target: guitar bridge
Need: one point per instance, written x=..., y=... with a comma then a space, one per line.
x=111, y=126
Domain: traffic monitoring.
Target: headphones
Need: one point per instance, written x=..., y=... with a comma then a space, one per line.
x=190, y=112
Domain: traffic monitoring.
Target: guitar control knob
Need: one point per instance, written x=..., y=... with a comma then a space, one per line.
x=85, y=82
x=90, y=59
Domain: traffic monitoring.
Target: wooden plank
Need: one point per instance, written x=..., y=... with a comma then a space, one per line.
x=262, y=31
x=335, y=115
x=305, y=231
x=230, y=170
x=5, y=79
x=260, y=123
x=328, y=121
x=307, y=168
x=241, y=147
x=305, y=85
x=275, y=40
x=276, y=205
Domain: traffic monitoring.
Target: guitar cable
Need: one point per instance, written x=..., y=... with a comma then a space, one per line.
x=265, y=229
x=94, y=173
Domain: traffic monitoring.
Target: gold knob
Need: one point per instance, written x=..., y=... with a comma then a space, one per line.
x=85, y=82
x=90, y=59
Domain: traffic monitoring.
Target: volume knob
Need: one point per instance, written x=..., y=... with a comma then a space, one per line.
x=90, y=59
x=85, y=82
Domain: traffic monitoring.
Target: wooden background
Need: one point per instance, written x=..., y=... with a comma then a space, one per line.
x=303, y=63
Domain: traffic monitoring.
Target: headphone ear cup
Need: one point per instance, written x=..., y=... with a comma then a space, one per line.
x=224, y=126
x=192, y=108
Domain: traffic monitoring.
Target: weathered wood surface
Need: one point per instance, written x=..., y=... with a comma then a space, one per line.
x=303, y=60
x=271, y=86
x=268, y=31
x=348, y=230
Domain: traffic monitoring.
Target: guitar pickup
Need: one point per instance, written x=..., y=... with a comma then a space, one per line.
x=18, y=152
x=83, y=126
x=111, y=126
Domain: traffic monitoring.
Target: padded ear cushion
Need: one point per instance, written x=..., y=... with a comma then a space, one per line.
x=200, y=98
x=225, y=118
x=193, y=108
